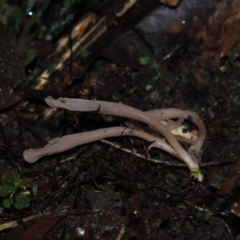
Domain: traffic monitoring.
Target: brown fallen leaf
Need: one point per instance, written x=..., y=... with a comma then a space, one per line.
x=34, y=229
x=225, y=187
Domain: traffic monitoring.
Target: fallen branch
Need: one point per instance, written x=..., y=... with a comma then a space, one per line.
x=167, y=163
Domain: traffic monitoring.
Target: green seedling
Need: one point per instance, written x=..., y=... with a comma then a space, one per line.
x=152, y=63
x=30, y=56
x=65, y=16
x=159, y=73
x=15, y=190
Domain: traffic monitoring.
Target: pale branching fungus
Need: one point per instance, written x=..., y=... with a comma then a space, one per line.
x=160, y=130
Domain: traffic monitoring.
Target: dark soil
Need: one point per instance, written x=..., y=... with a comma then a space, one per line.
x=104, y=191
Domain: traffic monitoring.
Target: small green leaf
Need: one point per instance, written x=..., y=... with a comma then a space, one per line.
x=68, y=19
x=30, y=4
x=5, y=13
x=46, y=4
x=67, y=4
x=33, y=19
x=146, y=61
x=34, y=189
x=223, y=68
x=18, y=84
x=148, y=87
x=62, y=11
x=55, y=26
x=30, y=55
x=33, y=75
x=7, y=202
x=22, y=200
x=84, y=52
x=52, y=67
x=6, y=190
x=17, y=18
x=10, y=177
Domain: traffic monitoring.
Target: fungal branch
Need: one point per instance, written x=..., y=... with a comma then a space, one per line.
x=160, y=130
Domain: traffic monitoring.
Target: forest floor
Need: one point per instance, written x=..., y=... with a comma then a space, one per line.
x=97, y=191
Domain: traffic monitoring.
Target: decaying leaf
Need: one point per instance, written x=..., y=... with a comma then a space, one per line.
x=35, y=229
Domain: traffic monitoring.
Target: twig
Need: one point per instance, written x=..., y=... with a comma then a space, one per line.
x=154, y=160
x=13, y=224
x=122, y=231
x=117, y=146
